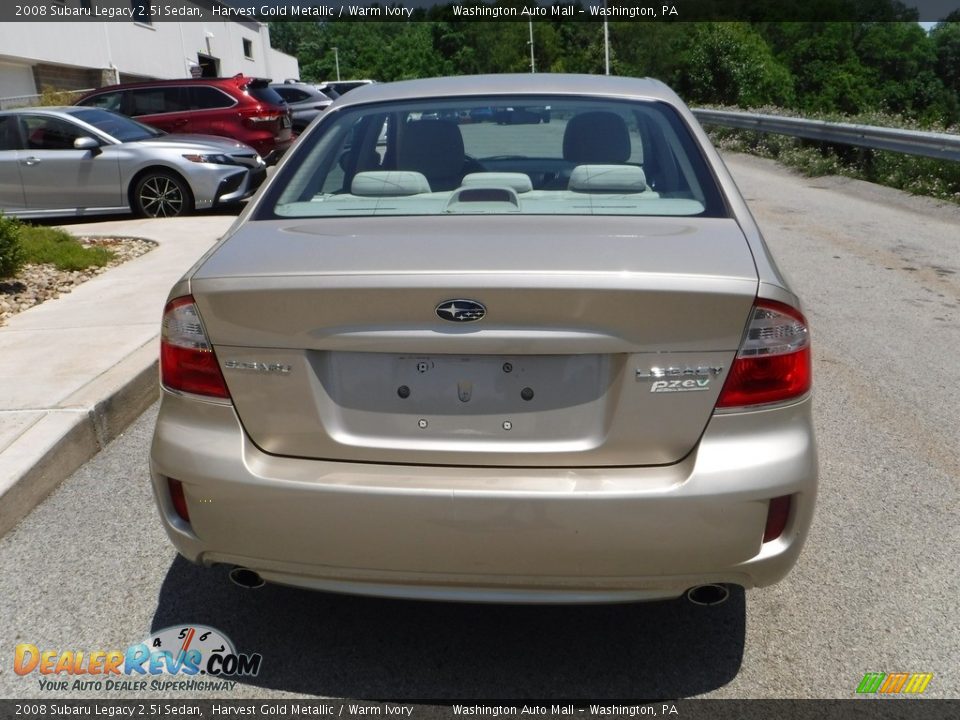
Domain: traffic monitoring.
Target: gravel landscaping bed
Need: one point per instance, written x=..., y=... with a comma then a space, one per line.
x=36, y=283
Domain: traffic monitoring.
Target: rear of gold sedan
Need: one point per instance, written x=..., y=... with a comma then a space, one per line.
x=555, y=368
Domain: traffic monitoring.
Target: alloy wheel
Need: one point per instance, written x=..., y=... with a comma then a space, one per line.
x=161, y=196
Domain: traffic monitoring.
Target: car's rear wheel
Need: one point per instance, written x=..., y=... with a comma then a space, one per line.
x=160, y=193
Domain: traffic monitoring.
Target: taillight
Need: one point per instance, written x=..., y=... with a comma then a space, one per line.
x=263, y=118
x=256, y=116
x=773, y=364
x=187, y=361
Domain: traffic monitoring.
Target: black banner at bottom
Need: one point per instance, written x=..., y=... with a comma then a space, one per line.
x=866, y=708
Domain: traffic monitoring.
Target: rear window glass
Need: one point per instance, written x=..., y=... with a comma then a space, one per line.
x=109, y=101
x=265, y=94
x=153, y=101
x=292, y=94
x=204, y=97
x=116, y=126
x=9, y=135
x=529, y=155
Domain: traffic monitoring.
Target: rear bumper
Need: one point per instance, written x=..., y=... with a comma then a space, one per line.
x=490, y=534
x=270, y=147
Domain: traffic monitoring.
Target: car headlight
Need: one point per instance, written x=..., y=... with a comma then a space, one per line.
x=213, y=159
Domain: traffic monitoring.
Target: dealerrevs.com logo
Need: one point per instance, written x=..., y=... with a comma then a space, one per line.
x=187, y=657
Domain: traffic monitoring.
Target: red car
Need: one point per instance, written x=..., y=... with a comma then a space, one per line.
x=239, y=107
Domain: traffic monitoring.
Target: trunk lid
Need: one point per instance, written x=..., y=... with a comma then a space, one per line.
x=605, y=340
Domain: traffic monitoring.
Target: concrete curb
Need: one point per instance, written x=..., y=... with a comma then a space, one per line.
x=50, y=450
x=80, y=368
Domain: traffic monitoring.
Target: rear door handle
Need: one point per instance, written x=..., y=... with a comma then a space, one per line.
x=32, y=160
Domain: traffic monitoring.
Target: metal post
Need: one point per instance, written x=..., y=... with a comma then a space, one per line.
x=606, y=43
x=533, y=63
x=336, y=59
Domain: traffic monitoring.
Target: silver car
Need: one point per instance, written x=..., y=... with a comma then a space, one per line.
x=453, y=360
x=78, y=161
x=305, y=101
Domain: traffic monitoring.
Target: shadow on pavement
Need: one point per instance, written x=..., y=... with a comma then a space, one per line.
x=363, y=648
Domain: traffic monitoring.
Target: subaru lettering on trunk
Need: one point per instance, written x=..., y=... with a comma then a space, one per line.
x=447, y=358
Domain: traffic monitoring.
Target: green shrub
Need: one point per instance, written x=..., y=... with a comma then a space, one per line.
x=51, y=96
x=12, y=256
x=60, y=248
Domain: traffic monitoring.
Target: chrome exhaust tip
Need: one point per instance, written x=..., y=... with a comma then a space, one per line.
x=708, y=595
x=246, y=578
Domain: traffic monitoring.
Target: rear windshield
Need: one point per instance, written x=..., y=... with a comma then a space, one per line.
x=264, y=93
x=530, y=155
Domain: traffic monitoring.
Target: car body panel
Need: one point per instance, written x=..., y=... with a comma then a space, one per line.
x=306, y=102
x=490, y=534
x=55, y=179
x=674, y=295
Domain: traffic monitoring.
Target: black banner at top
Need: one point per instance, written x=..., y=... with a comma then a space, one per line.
x=150, y=11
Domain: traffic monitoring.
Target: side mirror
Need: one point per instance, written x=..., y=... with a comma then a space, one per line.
x=87, y=143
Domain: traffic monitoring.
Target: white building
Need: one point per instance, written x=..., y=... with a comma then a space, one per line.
x=79, y=55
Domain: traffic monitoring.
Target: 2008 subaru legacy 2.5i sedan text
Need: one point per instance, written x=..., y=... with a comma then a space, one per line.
x=440, y=357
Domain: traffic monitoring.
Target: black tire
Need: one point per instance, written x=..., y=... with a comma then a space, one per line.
x=160, y=193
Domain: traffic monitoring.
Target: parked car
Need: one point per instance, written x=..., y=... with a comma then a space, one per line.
x=491, y=363
x=239, y=107
x=81, y=160
x=342, y=87
x=521, y=115
x=304, y=100
x=480, y=114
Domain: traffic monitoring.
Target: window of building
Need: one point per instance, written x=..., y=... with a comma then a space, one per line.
x=248, y=49
x=209, y=65
x=141, y=12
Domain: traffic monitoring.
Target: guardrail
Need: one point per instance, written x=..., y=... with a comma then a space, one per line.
x=942, y=146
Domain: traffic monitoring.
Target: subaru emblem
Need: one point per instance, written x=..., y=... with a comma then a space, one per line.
x=461, y=310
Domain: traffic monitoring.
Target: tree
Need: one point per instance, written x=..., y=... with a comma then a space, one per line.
x=731, y=64
x=946, y=43
x=900, y=60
